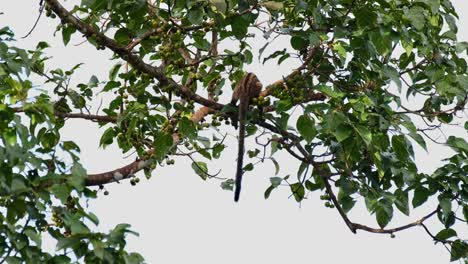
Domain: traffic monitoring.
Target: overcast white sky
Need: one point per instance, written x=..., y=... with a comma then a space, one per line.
x=182, y=219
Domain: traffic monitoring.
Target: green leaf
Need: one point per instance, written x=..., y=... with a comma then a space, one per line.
x=277, y=167
x=298, y=43
x=9, y=135
x=340, y=49
x=312, y=186
x=201, y=169
x=60, y=259
x=220, y=5
x=298, y=191
x=248, y=56
x=117, y=234
x=458, y=144
x=282, y=122
x=400, y=147
x=276, y=181
x=13, y=260
x=204, y=141
x=239, y=27
x=248, y=167
x=306, y=127
x=217, y=150
x=201, y=43
x=114, y=71
x=66, y=34
x=67, y=242
x=402, y=201
x=78, y=176
x=384, y=212
x=162, y=143
x=227, y=185
x=365, y=134
x=134, y=258
x=70, y=146
x=274, y=145
x=93, y=218
x=61, y=191
x=433, y=4
x=416, y=16
x=328, y=91
x=15, y=210
x=77, y=227
x=122, y=36
x=301, y=170
x=382, y=42
x=446, y=206
x=34, y=236
x=107, y=137
x=187, y=128
x=251, y=129
x=446, y=234
x=420, y=196
x=283, y=105
x=347, y=203
x=268, y=191
x=419, y=139
x=49, y=139
x=195, y=15
x=342, y=132
x=393, y=75
x=459, y=250
x=314, y=39
x=98, y=248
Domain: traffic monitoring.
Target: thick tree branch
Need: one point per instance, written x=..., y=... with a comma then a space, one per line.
x=127, y=55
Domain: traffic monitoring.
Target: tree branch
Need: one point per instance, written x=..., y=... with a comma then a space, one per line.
x=129, y=170
x=355, y=226
x=96, y=118
x=351, y=225
x=126, y=54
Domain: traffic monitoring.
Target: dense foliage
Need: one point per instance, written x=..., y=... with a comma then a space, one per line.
x=376, y=78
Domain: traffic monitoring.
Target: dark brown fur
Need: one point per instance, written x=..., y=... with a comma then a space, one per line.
x=248, y=87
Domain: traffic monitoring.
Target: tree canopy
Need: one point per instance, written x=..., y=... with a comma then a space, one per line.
x=376, y=79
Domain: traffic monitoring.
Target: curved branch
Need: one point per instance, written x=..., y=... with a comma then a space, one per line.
x=124, y=172
x=396, y=229
x=355, y=226
x=129, y=170
x=348, y=222
x=325, y=176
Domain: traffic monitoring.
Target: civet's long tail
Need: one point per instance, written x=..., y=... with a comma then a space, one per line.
x=243, y=105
